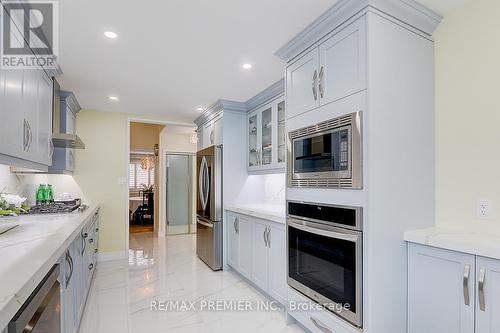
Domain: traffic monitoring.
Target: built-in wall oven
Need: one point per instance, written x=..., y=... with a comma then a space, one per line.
x=327, y=154
x=325, y=256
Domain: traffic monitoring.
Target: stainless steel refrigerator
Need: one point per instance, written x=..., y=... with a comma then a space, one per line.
x=209, y=206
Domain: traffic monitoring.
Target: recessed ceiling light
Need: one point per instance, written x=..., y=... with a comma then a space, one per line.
x=110, y=34
x=246, y=66
x=200, y=109
x=113, y=98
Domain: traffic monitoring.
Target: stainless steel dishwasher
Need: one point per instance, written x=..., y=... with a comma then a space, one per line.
x=42, y=310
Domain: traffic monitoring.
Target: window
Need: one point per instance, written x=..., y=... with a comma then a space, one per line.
x=139, y=177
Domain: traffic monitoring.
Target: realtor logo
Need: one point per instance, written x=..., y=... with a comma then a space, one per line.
x=29, y=34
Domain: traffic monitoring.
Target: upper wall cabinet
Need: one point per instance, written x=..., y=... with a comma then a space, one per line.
x=26, y=115
x=266, y=137
x=333, y=70
x=210, y=133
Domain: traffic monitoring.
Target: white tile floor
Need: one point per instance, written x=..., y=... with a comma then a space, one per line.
x=168, y=269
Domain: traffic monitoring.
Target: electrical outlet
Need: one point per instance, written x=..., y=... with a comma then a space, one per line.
x=484, y=209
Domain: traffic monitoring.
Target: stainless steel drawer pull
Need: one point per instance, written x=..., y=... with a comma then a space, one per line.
x=482, y=277
x=320, y=84
x=318, y=325
x=466, y=284
x=265, y=239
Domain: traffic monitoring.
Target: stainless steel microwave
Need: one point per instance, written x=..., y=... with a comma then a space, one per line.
x=327, y=154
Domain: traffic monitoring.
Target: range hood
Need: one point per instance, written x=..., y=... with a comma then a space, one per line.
x=60, y=139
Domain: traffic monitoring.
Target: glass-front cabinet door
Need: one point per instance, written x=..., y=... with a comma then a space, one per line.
x=252, y=141
x=267, y=137
x=281, y=132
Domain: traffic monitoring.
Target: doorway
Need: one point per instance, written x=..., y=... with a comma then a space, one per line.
x=179, y=193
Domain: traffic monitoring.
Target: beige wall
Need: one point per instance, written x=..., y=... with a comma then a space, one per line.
x=467, y=52
x=102, y=170
x=143, y=136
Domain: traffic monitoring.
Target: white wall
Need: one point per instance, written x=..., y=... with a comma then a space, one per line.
x=175, y=139
x=467, y=54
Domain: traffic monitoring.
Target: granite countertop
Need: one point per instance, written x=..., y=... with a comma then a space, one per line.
x=473, y=242
x=28, y=251
x=275, y=213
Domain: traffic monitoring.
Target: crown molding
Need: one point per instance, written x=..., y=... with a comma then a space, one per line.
x=268, y=94
x=408, y=12
x=219, y=106
x=271, y=92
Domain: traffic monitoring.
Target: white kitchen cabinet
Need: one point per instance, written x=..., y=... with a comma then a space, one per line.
x=217, y=128
x=342, y=60
x=210, y=133
x=233, y=241
x=301, y=87
x=256, y=249
x=260, y=258
x=440, y=290
x=487, y=295
x=27, y=115
x=245, y=233
x=277, y=263
x=266, y=137
x=333, y=70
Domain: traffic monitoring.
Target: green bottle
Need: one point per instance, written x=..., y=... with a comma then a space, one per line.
x=41, y=194
x=50, y=194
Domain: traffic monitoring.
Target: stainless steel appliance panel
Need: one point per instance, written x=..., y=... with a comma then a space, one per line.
x=209, y=242
x=41, y=312
x=209, y=175
x=325, y=259
x=327, y=154
x=209, y=206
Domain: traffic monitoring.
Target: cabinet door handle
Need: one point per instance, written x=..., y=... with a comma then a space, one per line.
x=320, y=82
x=30, y=136
x=234, y=225
x=212, y=136
x=238, y=226
x=320, y=326
x=51, y=148
x=68, y=277
x=91, y=240
x=314, y=83
x=482, y=277
x=91, y=266
x=466, y=284
x=268, y=236
x=265, y=239
x=25, y=135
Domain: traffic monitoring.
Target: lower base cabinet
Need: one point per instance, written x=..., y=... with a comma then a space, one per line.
x=76, y=270
x=452, y=292
x=256, y=249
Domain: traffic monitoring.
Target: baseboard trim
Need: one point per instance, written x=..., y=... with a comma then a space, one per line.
x=110, y=256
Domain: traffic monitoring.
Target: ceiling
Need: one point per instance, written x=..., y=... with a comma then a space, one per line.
x=173, y=56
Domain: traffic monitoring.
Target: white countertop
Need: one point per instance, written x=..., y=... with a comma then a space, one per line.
x=28, y=251
x=275, y=213
x=467, y=241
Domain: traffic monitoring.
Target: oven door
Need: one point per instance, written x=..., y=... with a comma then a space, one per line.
x=325, y=264
x=324, y=154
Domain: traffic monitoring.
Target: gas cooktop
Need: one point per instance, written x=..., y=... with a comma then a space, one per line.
x=58, y=207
